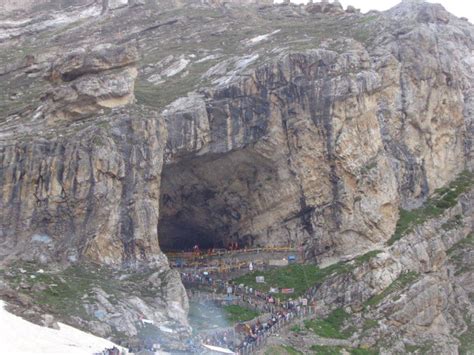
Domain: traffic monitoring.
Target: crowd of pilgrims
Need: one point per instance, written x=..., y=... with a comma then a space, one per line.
x=249, y=333
x=244, y=334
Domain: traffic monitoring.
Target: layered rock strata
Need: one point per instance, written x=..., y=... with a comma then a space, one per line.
x=433, y=308
x=261, y=125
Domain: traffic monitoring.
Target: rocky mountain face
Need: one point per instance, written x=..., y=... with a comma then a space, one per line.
x=127, y=127
x=416, y=295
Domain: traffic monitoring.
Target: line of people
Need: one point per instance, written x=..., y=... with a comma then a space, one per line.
x=196, y=253
x=249, y=335
x=252, y=334
x=224, y=339
x=111, y=351
x=247, y=293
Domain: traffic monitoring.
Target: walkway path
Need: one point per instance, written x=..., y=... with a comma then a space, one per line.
x=225, y=261
x=203, y=287
x=253, y=335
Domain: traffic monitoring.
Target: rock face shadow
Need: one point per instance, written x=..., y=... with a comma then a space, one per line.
x=214, y=200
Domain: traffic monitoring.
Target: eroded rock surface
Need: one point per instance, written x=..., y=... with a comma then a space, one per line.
x=86, y=189
x=413, y=296
x=129, y=124
x=346, y=135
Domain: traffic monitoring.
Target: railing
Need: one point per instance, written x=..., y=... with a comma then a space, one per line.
x=245, y=348
x=203, y=266
x=230, y=264
x=221, y=252
x=216, y=289
x=277, y=327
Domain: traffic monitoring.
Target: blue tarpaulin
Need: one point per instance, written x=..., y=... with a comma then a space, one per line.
x=180, y=263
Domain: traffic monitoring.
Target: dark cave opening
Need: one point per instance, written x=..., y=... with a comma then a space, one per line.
x=212, y=200
x=179, y=234
x=192, y=208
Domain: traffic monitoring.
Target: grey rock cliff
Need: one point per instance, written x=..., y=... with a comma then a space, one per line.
x=434, y=307
x=125, y=130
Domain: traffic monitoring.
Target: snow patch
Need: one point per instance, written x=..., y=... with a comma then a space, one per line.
x=41, y=238
x=209, y=57
x=240, y=64
x=261, y=38
x=18, y=336
x=155, y=79
x=246, y=61
x=176, y=68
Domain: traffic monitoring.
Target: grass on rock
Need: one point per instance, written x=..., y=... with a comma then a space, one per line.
x=299, y=277
x=369, y=324
x=467, y=339
x=339, y=350
x=361, y=351
x=463, y=244
x=403, y=280
x=366, y=257
x=331, y=326
x=453, y=223
x=327, y=350
x=457, y=255
x=282, y=350
x=440, y=201
x=235, y=313
x=64, y=292
x=296, y=328
x=423, y=349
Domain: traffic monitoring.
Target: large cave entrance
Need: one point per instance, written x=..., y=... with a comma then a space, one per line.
x=214, y=200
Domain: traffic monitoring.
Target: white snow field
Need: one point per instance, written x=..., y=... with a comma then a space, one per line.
x=18, y=336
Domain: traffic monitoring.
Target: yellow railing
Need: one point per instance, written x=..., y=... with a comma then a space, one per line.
x=223, y=268
x=204, y=254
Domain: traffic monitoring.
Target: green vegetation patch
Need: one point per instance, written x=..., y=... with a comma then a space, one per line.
x=369, y=324
x=296, y=329
x=370, y=166
x=299, y=277
x=463, y=244
x=399, y=284
x=366, y=257
x=457, y=254
x=235, y=313
x=423, y=349
x=65, y=292
x=291, y=350
x=440, y=201
x=362, y=351
x=331, y=326
x=282, y=350
x=60, y=293
x=327, y=350
x=467, y=339
x=337, y=350
x=159, y=96
x=453, y=223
